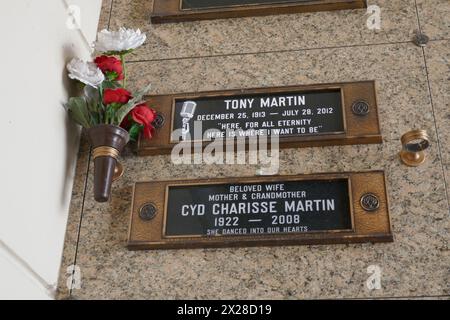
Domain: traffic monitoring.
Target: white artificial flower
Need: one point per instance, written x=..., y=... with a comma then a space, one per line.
x=119, y=41
x=86, y=72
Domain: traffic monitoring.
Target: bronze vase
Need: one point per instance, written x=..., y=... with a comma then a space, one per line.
x=107, y=142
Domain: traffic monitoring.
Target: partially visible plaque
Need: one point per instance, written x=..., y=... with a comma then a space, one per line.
x=300, y=116
x=324, y=208
x=206, y=4
x=188, y=10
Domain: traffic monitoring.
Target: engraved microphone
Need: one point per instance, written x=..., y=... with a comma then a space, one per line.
x=187, y=113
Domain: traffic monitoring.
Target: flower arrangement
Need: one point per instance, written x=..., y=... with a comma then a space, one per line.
x=105, y=99
x=111, y=114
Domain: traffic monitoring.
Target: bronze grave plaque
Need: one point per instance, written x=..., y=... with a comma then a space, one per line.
x=301, y=116
x=260, y=211
x=189, y=10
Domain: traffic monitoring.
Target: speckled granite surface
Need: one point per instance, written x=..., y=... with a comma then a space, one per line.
x=435, y=18
x=225, y=54
x=105, y=14
x=438, y=62
x=264, y=34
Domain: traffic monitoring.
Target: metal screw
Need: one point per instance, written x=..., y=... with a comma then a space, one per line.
x=370, y=202
x=361, y=108
x=147, y=212
x=421, y=39
x=159, y=121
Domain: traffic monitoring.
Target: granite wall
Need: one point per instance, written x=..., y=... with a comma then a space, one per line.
x=413, y=92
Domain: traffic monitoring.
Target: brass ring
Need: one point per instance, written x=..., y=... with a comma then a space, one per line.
x=414, y=143
x=105, y=151
x=422, y=141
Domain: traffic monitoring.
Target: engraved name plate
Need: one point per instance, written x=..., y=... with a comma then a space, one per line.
x=288, y=114
x=301, y=116
x=323, y=208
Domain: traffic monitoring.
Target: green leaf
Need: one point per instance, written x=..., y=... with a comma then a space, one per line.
x=108, y=84
x=79, y=111
x=134, y=131
x=126, y=108
x=118, y=53
x=92, y=97
x=110, y=113
x=111, y=75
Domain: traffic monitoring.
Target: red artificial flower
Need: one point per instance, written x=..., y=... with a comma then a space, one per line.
x=110, y=64
x=119, y=95
x=143, y=115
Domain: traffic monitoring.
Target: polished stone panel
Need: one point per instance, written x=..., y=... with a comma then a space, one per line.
x=434, y=18
x=74, y=219
x=264, y=34
x=447, y=179
x=416, y=264
x=438, y=62
x=105, y=14
x=274, y=51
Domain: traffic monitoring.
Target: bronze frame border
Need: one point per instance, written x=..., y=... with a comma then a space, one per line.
x=165, y=11
x=367, y=226
x=358, y=129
